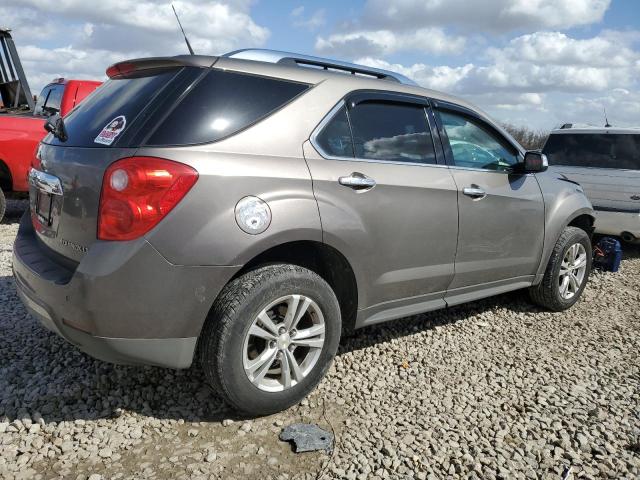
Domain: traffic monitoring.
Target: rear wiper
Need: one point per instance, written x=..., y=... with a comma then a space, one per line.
x=55, y=125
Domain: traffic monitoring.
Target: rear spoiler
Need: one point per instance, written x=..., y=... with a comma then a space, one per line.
x=141, y=66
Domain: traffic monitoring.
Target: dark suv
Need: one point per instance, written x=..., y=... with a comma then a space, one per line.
x=253, y=211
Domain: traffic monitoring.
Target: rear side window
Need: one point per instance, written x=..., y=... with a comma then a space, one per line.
x=115, y=99
x=391, y=132
x=606, y=150
x=222, y=104
x=335, y=138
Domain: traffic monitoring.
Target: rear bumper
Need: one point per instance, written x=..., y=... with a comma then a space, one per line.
x=616, y=222
x=124, y=303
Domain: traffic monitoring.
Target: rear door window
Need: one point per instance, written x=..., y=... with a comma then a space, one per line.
x=391, y=132
x=335, y=138
x=222, y=104
x=605, y=150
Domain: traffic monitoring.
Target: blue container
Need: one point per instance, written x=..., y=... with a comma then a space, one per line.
x=607, y=254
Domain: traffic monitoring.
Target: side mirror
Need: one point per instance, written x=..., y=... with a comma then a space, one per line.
x=535, y=161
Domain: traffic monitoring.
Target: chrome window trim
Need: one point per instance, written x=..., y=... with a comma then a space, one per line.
x=332, y=113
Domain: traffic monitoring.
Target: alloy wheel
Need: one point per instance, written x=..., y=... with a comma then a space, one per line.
x=284, y=342
x=572, y=271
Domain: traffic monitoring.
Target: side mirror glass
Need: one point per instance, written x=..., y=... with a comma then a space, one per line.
x=535, y=161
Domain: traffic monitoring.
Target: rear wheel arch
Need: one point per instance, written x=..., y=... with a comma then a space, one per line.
x=6, y=179
x=330, y=264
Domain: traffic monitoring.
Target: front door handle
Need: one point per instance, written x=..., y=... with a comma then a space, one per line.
x=474, y=192
x=358, y=182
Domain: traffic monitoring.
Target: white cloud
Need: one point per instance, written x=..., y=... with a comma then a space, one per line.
x=442, y=78
x=86, y=37
x=486, y=15
x=545, y=78
x=386, y=42
x=315, y=21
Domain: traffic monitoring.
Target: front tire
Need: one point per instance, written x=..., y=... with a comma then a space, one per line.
x=270, y=338
x=567, y=271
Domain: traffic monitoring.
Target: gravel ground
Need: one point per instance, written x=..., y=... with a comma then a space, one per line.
x=494, y=389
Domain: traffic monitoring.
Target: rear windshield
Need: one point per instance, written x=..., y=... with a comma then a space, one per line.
x=605, y=150
x=113, y=108
x=178, y=107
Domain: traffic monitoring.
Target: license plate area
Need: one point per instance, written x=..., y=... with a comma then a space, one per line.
x=44, y=207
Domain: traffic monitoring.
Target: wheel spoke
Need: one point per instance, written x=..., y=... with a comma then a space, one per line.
x=268, y=323
x=295, y=368
x=575, y=283
x=285, y=371
x=256, y=331
x=302, y=309
x=311, y=343
x=292, y=308
x=258, y=367
x=580, y=262
x=564, y=285
x=313, y=331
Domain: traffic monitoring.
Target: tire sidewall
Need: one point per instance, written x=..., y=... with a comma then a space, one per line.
x=579, y=236
x=237, y=383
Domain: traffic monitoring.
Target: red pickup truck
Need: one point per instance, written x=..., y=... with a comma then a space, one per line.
x=20, y=133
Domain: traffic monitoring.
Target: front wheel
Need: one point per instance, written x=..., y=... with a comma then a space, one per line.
x=270, y=337
x=567, y=272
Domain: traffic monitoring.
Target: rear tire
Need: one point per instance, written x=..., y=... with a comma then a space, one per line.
x=3, y=205
x=564, y=281
x=248, y=326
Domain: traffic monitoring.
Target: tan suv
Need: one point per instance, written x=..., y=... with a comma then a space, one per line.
x=253, y=207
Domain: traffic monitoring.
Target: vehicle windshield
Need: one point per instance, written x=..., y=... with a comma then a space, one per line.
x=598, y=150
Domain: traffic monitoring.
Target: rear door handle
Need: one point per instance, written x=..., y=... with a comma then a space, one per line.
x=474, y=192
x=358, y=182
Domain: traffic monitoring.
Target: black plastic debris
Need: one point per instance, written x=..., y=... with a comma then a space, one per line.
x=308, y=437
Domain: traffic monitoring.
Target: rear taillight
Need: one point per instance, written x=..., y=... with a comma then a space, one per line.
x=138, y=192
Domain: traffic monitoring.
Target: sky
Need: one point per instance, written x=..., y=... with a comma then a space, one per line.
x=534, y=63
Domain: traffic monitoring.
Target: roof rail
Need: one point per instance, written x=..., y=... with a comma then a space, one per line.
x=275, y=56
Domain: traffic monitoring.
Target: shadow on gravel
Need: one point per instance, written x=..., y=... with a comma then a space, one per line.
x=15, y=209
x=516, y=302
x=43, y=375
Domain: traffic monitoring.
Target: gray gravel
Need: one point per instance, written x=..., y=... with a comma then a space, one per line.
x=495, y=389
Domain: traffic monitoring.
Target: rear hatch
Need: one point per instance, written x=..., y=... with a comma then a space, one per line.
x=607, y=165
x=65, y=196
x=171, y=102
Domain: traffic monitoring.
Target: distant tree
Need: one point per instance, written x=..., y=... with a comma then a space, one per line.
x=528, y=138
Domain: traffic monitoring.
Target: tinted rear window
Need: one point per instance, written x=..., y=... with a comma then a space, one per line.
x=594, y=150
x=115, y=98
x=222, y=104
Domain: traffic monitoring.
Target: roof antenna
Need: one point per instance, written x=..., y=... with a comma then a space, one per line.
x=606, y=120
x=183, y=34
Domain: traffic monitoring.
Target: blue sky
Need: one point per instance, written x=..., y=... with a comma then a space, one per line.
x=528, y=62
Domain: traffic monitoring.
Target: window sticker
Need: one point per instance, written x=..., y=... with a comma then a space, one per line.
x=110, y=132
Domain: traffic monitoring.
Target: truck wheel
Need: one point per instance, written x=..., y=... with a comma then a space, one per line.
x=3, y=204
x=270, y=338
x=567, y=272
